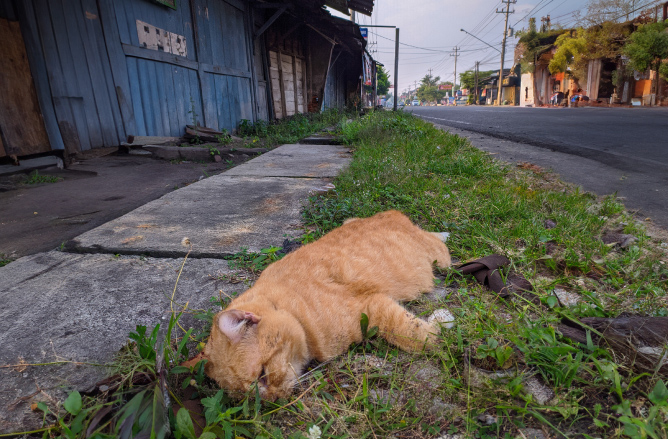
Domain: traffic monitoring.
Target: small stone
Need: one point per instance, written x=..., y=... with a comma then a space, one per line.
x=443, y=317
x=217, y=158
x=425, y=374
x=566, y=298
x=382, y=396
x=440, y=293
x=549, y=224
x=487, y=419
x=103, y=388
x=440, y=408
x=540, y=392
x=531, y=433
x=627, y=240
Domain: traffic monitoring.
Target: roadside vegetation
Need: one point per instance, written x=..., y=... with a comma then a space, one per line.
x=290, y=129
x=505, y=369
x=36, y=178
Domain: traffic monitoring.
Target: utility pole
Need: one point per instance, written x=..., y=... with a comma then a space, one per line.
x=477, y=67
x=454, y=87
x=396, y=69
x=503, y=45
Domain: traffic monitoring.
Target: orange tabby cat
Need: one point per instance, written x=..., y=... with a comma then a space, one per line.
x=308, y=305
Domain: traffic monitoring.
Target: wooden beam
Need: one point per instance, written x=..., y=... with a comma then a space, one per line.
x=271, y=21
x=154, y=55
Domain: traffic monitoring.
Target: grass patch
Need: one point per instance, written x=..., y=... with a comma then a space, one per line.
x=504, y=370
x=36, y=178
x=4, y=260
x=290, y=129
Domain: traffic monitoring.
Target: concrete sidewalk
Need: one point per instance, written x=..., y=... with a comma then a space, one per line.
x=78, y=306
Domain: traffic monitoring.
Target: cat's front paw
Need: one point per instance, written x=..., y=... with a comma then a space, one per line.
x=442, y=317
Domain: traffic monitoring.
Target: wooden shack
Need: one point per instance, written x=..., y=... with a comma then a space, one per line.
x=83, y=74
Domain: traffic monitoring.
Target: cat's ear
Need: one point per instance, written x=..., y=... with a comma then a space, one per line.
x=233, y=323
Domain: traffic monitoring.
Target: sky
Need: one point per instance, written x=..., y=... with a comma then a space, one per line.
x=433, y=26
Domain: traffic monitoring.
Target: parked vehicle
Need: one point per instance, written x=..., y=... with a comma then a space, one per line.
x=416, y=103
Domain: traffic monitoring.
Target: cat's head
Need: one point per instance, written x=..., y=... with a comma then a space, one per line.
x=268, y=348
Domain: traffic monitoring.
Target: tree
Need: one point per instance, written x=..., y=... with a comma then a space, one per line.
x=428, y=89
x=647, y=48
x=467, y=78
x=383, y=79
x=430, y=80
x=601, y=11
x=571, y=51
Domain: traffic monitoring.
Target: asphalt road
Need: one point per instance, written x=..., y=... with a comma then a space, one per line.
x=605, y=150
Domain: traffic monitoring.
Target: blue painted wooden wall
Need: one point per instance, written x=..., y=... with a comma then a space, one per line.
x=96, y=85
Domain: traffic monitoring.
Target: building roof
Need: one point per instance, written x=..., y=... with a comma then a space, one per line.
x=362, y=6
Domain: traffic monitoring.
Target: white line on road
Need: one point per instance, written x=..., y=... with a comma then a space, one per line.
x=446, y=120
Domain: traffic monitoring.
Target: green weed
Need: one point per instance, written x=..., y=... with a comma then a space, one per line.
x=36, y=178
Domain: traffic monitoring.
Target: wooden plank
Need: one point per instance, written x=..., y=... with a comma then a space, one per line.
x=66, y=28
x=179, y=77
x=40, y=75
x=152, y=140
x=154, y=100
x=88, y=19
x=203, y=32
x=281, y=83
x=2, y=146
x=247, y=106
x=276, y=90
x=196, y=95
x=145, y=97
x=294, y=73
x=64, y=67
x=236, y=3
x=215, y=34
x=67, y=126
x=118, y=67
x=164, y=102
x=250, y=57
x=20, y=118
x=136, y=97
x=154, y=55
x=94, y=28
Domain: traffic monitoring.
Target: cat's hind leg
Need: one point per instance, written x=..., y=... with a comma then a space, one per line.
x=398, y=326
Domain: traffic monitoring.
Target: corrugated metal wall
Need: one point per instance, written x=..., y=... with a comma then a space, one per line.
x=335, y=87
x=96, y=84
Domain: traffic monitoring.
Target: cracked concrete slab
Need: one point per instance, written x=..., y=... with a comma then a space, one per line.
x=307, y=161
x=80, y=308
x=219, y=215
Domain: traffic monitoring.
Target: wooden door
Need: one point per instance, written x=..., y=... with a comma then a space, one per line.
x=21, y=123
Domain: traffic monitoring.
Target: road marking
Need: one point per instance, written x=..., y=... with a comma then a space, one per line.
x=446, y=120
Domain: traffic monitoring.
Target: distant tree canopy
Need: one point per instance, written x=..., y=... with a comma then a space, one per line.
x=428, y=90
x=647, y=48
x=576, y=48
x=383, y=81
x=534, y=43
x=467, y=78
x=601, y=11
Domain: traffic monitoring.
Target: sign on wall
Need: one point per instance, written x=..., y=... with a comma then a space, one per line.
x=151, y=37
